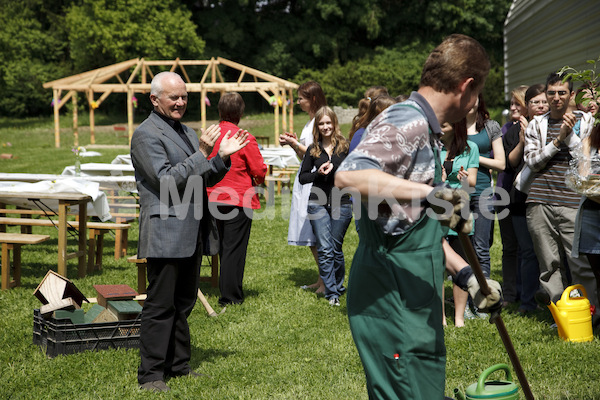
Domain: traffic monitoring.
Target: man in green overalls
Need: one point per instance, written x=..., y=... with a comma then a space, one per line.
x=394, y=295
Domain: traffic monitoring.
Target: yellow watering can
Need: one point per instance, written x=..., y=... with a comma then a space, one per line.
x=573, y=316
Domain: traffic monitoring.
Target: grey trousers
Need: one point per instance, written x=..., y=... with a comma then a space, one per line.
x=552, y=229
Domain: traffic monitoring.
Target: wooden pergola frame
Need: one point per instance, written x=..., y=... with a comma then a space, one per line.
x=107, y=80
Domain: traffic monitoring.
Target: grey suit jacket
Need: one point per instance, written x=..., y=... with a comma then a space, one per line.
x=159, y=153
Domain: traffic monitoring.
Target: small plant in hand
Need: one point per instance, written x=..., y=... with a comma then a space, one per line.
x=590, y=80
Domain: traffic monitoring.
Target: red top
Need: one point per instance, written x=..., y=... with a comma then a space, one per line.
x=247, y=165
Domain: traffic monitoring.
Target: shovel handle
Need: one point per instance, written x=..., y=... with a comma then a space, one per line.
x=496, y=318
x=474, y=263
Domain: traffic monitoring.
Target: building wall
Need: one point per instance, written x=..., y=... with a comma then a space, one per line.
x=541, y=36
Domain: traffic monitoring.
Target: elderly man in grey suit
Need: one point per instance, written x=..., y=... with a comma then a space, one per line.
x=171, y=168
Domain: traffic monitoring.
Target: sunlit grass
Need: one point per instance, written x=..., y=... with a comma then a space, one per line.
x=282, y=343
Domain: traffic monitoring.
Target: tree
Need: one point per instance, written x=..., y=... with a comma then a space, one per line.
x=57, y=38
x=104, y=32
x=399, y=70
x=283, y=37
x=34, y=50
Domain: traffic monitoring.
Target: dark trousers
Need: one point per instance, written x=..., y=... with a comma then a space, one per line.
x=165, y=346
x=234, y=234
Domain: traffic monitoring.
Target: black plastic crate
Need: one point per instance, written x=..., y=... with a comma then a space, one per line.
x=63, y=337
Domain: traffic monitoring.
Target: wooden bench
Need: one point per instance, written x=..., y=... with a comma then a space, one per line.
x=14, y=241
x=121, y=238
x=123, y=208
x=97, y=230
x=141, y=275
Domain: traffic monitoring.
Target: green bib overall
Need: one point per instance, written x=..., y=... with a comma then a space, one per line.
x=395, y=310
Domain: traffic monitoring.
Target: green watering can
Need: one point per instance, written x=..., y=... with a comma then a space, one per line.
x=496, y=390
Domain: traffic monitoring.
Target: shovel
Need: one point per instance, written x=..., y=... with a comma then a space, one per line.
x=495, y=317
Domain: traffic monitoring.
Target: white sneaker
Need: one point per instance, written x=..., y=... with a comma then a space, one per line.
x=334, y=301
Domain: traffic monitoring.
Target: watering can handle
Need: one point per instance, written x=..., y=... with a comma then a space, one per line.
x=567, y=293
x=484, y=375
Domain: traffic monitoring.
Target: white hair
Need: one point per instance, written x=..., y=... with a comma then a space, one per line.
x=156, y=86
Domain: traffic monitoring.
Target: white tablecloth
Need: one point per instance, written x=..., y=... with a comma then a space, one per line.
x=281, y=157
x=100, y=169
x=122, y=159
x=97, y=207
x=125, y=182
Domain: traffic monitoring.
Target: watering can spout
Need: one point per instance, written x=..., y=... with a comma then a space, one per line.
x=559, y=317
x=458, y=394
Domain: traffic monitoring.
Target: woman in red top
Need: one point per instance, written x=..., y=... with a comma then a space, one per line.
x=233, y=200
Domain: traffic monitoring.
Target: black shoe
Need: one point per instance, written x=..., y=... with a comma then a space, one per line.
x=155, y=386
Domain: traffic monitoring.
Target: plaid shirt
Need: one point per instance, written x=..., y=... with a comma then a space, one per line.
x=549, y=162
x=537, y=153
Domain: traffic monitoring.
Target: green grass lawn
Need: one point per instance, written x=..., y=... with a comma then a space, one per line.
x=282, y=343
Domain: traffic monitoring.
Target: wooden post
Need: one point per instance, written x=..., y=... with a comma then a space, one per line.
x=130, y=113
x=62, y=239
x=283, y=114
x=75, y=126
x=56, y=98
x=276, y=111
x=291, y=111
x=92, y=129
x=203, y=107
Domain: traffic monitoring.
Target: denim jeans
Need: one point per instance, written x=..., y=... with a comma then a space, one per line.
x=329, y=229
x=481, y=236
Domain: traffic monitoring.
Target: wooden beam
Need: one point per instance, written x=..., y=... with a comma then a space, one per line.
x=264, y=94
x=241, y=75
x=184, y=72
x=291, y=110
x=63, y=101
x=255, y=72
x=276, y=111
x=90, y=96
x=130, y=114
x=56, y=100
x=207, y=71
x=283, y=114
x=182, y=62
x=219, y=73
x=103, y=97
x=196, y=87
x=111, y=70
x=203, y=108
x=75, y=123
x=135, y=71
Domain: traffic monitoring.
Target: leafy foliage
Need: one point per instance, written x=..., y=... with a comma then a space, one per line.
x=589, y=78
x=57, y=38
x=25, y=40
x=397, y=69
x=103, y=32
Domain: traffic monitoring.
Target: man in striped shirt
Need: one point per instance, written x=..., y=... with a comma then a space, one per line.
x=552, y=206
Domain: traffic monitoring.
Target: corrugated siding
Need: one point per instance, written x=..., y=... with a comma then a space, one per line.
x=541, y=36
